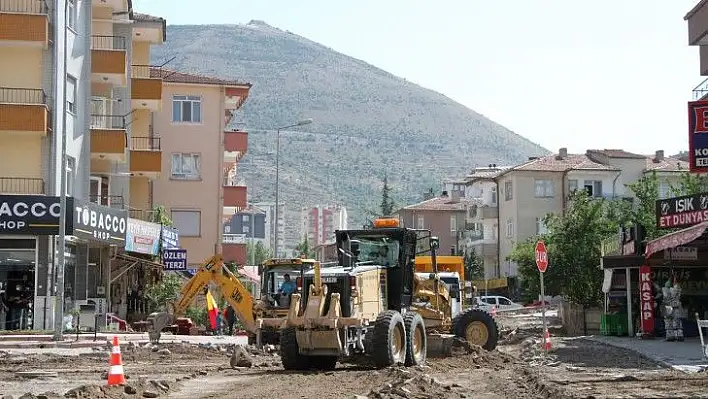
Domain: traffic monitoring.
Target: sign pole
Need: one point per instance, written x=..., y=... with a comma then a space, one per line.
x=543, y=309
x=541, y=255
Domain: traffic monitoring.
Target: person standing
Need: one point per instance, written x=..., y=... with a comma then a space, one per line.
x=230, y=316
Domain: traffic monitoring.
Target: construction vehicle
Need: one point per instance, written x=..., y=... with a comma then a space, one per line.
x=374, y=306
x=246, y=308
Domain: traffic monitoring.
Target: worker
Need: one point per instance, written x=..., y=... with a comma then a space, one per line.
x=287, y=288
x=381, y=256
x=230, y=317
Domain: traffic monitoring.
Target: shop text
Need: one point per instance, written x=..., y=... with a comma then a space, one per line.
x=646, y=298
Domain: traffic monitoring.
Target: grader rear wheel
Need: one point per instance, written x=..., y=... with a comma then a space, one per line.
x=477, y=327
x=389, y=339
x=416, y=339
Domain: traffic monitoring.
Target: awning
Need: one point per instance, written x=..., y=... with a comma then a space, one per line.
x=127, y=262
x=675, y=239
x=250, y=273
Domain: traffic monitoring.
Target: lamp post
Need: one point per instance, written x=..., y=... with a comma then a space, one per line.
x=277, y=177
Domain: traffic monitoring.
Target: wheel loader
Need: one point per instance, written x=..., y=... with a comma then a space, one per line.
x=247, y=309
x=374, y=306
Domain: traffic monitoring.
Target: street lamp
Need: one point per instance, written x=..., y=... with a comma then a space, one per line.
x=277, y=176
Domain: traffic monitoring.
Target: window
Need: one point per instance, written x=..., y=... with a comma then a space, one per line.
x=509, y=227
x=245, y=229
x=453, y=223
x=420, y=222
x=186, y=166
x=508, y=190
x=503, y=301
x=664, y=190
x=70, y=168
x=246, y=218
x=540, y=226
x=186, y=109
x=572, y=185
x=593, y=187
x=543, y=188
x=71, y=14
x=71, y=94
x=227, y=229
x=188, y=223
x=494, y=195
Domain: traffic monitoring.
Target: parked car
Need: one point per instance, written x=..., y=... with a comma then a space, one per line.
x=502, y=303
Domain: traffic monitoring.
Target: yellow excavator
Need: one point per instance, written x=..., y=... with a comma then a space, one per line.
x=246, y=308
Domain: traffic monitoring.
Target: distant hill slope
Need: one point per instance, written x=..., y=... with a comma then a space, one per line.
x=368, y=122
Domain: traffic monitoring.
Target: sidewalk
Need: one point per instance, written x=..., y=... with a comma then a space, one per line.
x=684, y=356
x=87, y=340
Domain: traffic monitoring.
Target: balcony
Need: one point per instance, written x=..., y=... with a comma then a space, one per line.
x=24, y=23
x=24, y=111
x=235, y=144
x=235, y=97
x=235, y=194
x=145, y=91
x=21, y=185
x=701, y=91
x=112, y=201
x=141, y=214
x=108, y=144
x=145, y=156
x=698, y=25
x=233, y=238
x=108, y=60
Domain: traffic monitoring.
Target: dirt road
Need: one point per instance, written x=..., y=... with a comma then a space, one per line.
x=575, y=368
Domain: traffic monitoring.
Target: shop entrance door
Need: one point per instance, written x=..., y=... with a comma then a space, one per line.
x=17, y=268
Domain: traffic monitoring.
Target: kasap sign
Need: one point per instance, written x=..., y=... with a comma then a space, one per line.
x=684, y=211
x=142, y=237
x=698, y=136
x=100, y=223
x=32, y=214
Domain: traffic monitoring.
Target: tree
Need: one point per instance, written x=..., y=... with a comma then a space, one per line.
x=163, y=292
x=257, y=253
x=474, y=266
x=303, y=248
x=161, y=216
x=523, y=255
x=690, y=184
x=387, y=204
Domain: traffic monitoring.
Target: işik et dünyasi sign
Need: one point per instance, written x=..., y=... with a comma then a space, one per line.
x=684, y=211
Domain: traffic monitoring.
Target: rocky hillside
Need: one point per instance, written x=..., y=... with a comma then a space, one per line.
x=368, y=122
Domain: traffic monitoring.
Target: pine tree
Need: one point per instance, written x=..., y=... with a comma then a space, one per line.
x=387, y=204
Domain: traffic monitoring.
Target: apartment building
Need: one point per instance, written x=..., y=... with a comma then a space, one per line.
x=201, y=187
x=444, y=216
x=530, y=191
x=248, y=224
x=271, y=224
x=481, y=234
x=320, y=222
x=697, y=20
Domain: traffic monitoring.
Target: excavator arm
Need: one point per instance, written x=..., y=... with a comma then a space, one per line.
x=211, y=270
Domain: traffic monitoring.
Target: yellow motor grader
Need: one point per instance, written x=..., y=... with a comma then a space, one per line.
x=374, y=305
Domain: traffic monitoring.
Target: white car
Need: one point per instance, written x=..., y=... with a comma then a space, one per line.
x=502, y=303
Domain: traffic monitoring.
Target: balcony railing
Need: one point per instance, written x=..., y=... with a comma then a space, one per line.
x=21, y=185
x=107, y=122
x=113, y=201
x=143, y=71
x=24, y=6
x=701, y=90
x=145, y=143
x=10, y=95
x=108, y=42
x=233, y=239
x=142, y=214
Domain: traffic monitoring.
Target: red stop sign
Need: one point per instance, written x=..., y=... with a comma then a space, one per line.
x=541, y=256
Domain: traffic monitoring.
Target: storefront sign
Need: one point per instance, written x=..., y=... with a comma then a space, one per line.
x=646, y=298
x=170, y=237
x=142, y=237
x=100, y=223
x=33, y=215
x=174, y=259
x=681, y=253
x=683, y=211
x=697, y=137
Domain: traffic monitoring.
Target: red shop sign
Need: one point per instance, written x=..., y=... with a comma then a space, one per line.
x=646, y=299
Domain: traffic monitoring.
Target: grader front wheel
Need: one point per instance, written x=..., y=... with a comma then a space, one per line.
x=389, y=339
x=477, y=327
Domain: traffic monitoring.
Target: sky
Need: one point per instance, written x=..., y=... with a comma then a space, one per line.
x=562, y=73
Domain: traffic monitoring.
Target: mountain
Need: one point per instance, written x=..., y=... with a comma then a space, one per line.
x=368, y=123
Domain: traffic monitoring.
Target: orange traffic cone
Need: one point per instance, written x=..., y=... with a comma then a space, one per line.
x=494, y=311
x=115, y=370
x=546, y=340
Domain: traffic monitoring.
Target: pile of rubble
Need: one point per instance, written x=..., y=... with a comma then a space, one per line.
x=411, y=383
x=533, y=353
x=141, y=388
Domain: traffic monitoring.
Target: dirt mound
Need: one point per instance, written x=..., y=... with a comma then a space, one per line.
x=411, y=384
x=141, y=388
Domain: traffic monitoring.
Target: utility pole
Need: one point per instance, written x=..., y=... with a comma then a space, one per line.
x=59, y=309
x=253, y=236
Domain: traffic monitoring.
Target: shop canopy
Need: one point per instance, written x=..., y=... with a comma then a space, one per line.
x=250, y=273
x=675, y=239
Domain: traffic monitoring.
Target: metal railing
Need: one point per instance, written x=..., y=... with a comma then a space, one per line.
x=113, y=201
x=11, y=95
x=107, y=122
x=233, y=239
x=21, y=185
x=143, y=71
x=24, y=6
x=237, y=127
x=145, y=143
x=142, y=214
x=701, y=90
x=108, y=42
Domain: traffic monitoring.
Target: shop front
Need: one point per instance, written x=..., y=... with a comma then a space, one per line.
x=27, y=226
